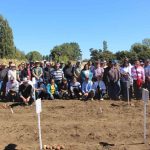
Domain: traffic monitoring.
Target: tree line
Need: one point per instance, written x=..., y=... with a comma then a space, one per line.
x=137, y=51
x=67, y=51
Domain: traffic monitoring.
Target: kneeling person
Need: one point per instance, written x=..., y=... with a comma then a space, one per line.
x=88, y=92
x=75, y=88
x=12, y=87
x=99, y=88
x=52, y=90
x=26, y=91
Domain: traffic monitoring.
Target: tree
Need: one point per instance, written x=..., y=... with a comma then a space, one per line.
x=7, y=47
x=120, y=55
x=105, y=47
x=34, y=56
x=66, y=51
x=138, y=47
x=146, y=42
x=101, y=55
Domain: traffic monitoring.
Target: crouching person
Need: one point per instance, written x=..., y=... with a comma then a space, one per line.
x=88, y=92
x=75, y=89
x=52, y=90
x=40, y=91
x=12, y=88
x=99, y=88
x=64, y=89
x=26, y=92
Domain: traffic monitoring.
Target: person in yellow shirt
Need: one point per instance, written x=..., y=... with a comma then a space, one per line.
x=52, y=90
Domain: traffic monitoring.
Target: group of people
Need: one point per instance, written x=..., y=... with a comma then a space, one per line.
x=94, y=80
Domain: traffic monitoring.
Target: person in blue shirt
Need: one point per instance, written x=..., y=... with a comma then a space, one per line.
x=88, y=92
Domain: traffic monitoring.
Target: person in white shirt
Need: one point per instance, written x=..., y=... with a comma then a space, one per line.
x=12, y=88
x=126, y=78
x=12, y=72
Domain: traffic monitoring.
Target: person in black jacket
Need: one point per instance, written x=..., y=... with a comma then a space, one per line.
x=26, y=92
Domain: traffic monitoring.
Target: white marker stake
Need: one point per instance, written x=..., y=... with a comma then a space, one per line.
x=128, y=87
x=38, y=111
x=34, y=82
x=145, y=97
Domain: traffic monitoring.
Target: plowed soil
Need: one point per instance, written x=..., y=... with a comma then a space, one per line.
x=78, y=125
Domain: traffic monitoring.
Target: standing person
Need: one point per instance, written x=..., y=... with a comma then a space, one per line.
x=20, y=73
x=4, y=79
x=147, y=74
x=77, y=71
x=126, y=78
x=88, y=92
x=47, y=72
x=27, y=70
x=26, y=92
x=12, y=72
x=114, y=81
x=91, y=67
x=86, y=73
x=99, y=88
x=99, y=71
x=37, y=72
x=57, y=74
x=138, y=76
x=68, y=72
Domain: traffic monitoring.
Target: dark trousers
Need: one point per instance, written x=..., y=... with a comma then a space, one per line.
x=137, y=90
x=99, y=94
x=114, y=90
x=12, y=97
x=124, y=89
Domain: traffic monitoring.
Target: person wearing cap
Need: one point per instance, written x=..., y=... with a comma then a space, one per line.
x=138, y=75
x=12, y=72
x=37, y=72
x=104, y=64
x=12, y=88
x=40, y=91
x=99, y=88
x=25, y=92
x=62, y=65
x=88, y=92
x=75, y=88
x=64, y=89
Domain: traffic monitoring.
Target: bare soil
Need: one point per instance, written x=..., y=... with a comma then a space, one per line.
x=78, y=125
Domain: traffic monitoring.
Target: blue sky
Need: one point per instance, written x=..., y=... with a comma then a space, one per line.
x=42, y=24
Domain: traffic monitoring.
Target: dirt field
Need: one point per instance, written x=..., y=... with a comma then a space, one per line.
x=78, y=125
